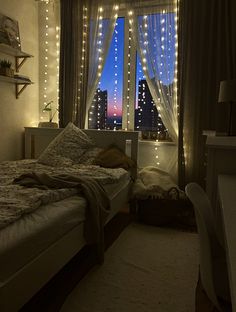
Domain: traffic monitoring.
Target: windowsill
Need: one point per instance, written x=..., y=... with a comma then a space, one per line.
x=153, y=142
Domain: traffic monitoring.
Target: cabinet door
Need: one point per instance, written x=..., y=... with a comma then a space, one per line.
x=221, y=159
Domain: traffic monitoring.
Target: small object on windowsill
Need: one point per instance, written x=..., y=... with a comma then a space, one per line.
x=48, y=124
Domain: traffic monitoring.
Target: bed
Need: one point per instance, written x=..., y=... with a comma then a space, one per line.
x=36, y=245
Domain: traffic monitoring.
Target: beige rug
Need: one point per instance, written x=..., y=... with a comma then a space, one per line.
x=148, y=269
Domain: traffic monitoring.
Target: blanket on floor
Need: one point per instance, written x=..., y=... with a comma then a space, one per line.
x=155, y=183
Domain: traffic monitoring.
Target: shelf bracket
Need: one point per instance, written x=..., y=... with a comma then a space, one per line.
x=20, y=90
x=20, y=60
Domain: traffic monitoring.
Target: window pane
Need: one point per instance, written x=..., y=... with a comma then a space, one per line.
x=157, y=40
x=106, y=109
x=147, y=118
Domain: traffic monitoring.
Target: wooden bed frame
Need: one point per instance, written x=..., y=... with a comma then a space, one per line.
x=26, y=282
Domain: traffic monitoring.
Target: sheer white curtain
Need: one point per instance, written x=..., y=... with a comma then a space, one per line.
x=156, y=39
x=155, y=33
x=102, y=19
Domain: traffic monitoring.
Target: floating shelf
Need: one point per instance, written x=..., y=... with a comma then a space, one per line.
x=20, y=84
x=4, y=48
x=20, y=58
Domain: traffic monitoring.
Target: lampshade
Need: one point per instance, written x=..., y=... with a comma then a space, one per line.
x=227, y=91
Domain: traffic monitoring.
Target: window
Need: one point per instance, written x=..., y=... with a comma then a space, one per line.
x=106, y=109
x=147, y=118
x=123, y=99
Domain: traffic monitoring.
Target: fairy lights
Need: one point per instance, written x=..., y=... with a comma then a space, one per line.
x=176, y=61
x=58, y=57
x=99, y=42
x=115, y=80
x=100, y=61
x=98, y=110
x=164, y=41
x=128, y=104
x=46, y=54
x=49, y=55
x=83, y=51
x=97, y=107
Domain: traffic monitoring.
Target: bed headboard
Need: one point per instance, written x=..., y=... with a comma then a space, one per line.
x=37, y=139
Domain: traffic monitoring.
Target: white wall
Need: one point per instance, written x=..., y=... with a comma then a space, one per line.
x=15, y=114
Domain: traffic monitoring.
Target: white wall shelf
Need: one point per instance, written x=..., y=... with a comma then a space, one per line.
x=20, y=59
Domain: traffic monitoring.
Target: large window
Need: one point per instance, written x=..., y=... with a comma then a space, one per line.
x=106, y=109
x=123, y=99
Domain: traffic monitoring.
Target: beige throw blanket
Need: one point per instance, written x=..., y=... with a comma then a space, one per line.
x=155, y=183
x=52, y=184
x=98, y=202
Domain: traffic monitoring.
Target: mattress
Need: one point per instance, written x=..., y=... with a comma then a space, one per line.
x=24, y=239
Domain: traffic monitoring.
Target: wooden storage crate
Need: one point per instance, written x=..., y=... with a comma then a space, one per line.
x=177, y=213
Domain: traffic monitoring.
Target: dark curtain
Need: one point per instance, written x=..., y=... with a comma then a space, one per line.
x=206, y=56
x=70, y=107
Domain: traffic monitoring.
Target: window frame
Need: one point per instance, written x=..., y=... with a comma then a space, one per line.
x=150, y=7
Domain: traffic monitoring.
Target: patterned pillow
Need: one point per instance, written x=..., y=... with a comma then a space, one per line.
x=67, y=148
x=90, y=155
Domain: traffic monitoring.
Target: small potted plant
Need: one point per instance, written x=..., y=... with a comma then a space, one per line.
x=5, y=68
x=51, y=114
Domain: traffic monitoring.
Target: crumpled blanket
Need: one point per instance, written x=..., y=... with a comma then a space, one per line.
x=98, y=201
x=17, y=200
x=155, y=183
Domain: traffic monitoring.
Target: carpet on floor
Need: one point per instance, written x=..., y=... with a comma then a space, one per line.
x=52, y=296
x=146, y=269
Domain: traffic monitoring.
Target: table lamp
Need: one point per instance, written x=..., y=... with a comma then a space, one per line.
x=227, y=93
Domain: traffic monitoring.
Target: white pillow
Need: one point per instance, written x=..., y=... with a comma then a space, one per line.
x=67, y=148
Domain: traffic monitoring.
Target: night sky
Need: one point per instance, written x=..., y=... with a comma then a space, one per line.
x=108, y=77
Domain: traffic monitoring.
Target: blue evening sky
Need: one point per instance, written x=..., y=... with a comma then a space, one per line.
x=116, y=57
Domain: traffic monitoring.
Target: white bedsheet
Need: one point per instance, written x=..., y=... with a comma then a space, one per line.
x=24, y=239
